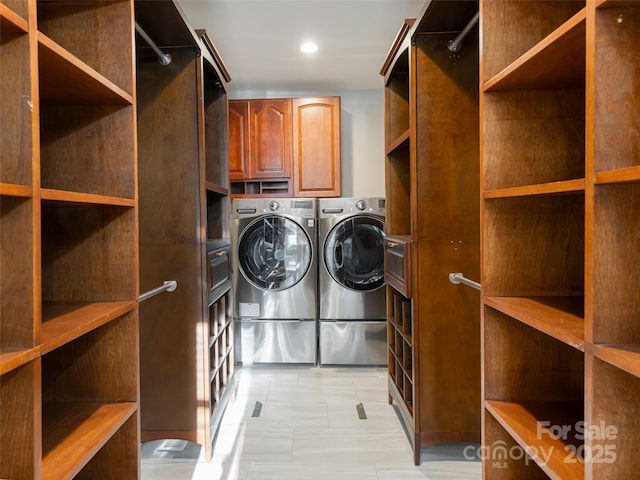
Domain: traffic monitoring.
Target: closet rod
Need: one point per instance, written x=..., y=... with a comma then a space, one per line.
x=456, y=44
x=460, y=278
x=169, y=286
x=163, y=58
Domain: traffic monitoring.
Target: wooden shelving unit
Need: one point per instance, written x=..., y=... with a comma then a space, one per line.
x=431, y=138
x=186, y=335
x=68, y=199
x=559, y=256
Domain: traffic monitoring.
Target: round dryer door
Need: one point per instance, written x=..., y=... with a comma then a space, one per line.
x=274, y=252
x=354, y=253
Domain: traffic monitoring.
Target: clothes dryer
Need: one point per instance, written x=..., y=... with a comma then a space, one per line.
x=352, y=297
x=275, y=280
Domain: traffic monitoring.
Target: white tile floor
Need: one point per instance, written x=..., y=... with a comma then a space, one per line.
x=308, y=428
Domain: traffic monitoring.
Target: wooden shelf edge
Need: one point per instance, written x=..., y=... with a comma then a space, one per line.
x=406, y=372
x=15, y=358
x=570, y=32
x=398, y=328
x=216, y=188
x=558, y=317
x=406, y=411
x=221, y=361
x=625, y=357
x=11, y=22
x=73, y=432
x=221, y=331
x=563, y=187
x=526, y=425
x=65, y=321
x=617, y=3
x=53, y=54
x=13, y=190
x=86, y=198
x=620, y=175
x=399, y=142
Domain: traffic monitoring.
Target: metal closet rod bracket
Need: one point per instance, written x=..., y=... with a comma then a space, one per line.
x=168, y=286
x=457, y=278
x=456, y=44
x=163, y=58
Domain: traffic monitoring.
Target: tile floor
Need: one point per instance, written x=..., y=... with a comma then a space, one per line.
x=307, y=425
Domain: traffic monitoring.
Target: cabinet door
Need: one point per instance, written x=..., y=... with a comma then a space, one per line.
x=270, y=124
x=239, y=138
x=316, y=153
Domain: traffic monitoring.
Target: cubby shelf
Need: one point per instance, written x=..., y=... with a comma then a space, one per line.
x=400, y=143
x=64, y=79
x=12, y=358
x=61, y=197
x=565, y=187
x=558, y=61
x=75, y=431
x=525, y=423
x=620, y=175
x=624, y=357
x=12, y=190
x=63, y=322
x=559, y=317
x=11, y=22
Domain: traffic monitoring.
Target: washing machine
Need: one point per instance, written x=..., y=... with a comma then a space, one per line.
x=352, y=297
x=275, y=280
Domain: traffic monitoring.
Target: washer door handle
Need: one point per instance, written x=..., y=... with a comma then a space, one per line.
x=338, y=258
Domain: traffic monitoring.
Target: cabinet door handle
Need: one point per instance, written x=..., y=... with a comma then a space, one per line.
x=221, y=253
x=392, y=244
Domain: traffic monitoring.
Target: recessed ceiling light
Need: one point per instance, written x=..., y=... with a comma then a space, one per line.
x=309, y=47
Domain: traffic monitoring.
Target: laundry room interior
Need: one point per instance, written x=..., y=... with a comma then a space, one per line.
x=319, y=239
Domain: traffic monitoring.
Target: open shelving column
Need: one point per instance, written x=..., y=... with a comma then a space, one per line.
x=431, y=138
x=186, y=335
x=69, y=353
x=560, y=175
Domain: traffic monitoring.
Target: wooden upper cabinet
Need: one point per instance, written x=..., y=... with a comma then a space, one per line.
x=316, y=147
x=239, y=151
x=270, y=130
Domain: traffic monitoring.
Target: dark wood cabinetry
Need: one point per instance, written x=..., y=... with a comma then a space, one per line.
x=560, y=235
x=69, y=242
x=186, y=335
x=285, y=147
x=432, y=178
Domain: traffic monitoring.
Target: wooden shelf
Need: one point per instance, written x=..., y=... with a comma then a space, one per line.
x=553, y=188
x=74, y=432
x=84, y=198
x=559, y=317
x=215, y=188
x=624, y=357
x=617, y=3
x=11, y=22
x=65, y=321
x=523, y=422
x=12, y=190
x=400, y=144
x=10, y=359
x=558, y=61
x=619, y=175
x=66, y=79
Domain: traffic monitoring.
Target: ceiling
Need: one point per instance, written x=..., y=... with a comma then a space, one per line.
x=259, y=40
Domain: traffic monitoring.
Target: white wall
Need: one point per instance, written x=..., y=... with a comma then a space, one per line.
x=362, y=136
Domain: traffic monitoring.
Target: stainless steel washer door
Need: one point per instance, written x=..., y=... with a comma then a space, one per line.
x=274, y=253
x=354, y=253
